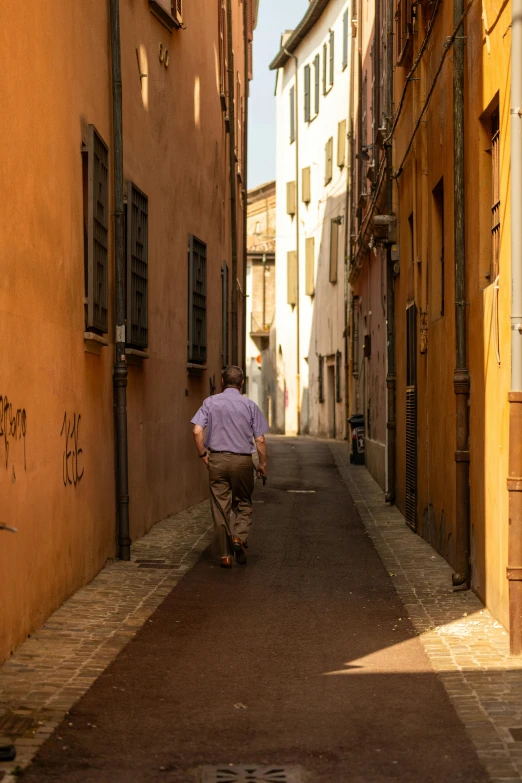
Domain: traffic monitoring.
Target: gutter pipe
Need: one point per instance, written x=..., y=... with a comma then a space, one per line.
x=120, y=371
x=232, y=157
x=348, y=244
x=244, y=325
x=391, y=379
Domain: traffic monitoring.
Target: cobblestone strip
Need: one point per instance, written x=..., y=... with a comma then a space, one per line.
x=467, y=648
x=55, y=666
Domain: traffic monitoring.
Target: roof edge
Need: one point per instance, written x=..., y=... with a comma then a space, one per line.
x=313, y=14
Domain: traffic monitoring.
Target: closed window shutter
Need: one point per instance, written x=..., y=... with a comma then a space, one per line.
x=341, y=144
x=290, y=198
x=222, y=49
x=317, y=67
x=306, y=185
x=307, y=93
x=328, y=166
x=310, y=266
x=291, y=262
x=97, y=312
x=224, y=315
x=197, y=332
x=137, y=267
x=334, y=249
x=292, y=114
x=325, y=69
x=320, y=378
x=332, y=60
x=338, y=380
x=345, y=39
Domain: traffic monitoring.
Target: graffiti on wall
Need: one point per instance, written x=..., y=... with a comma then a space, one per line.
x=13, y=426
x=72, y=452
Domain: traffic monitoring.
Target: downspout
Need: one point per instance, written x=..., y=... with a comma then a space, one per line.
x=348, y=244
x=246, y=5
x=297, y=307
x=233, y=185
x=391, y=380
x=514, y=483
x=120, y=371
x=461, y=380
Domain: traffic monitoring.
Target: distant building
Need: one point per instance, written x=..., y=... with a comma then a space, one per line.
x=312, y=93
x=261, y=249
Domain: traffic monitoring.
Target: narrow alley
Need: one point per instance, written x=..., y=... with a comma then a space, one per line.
x=311, y=663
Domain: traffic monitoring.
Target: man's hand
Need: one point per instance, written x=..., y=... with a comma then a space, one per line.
x=199, y=440
x=261, y=452
x=205, y=460
x=261, y=472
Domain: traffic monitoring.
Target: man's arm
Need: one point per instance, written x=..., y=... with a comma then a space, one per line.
x=199, y=440
x=261, y=453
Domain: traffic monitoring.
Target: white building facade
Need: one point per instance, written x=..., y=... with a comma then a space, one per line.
x=312, y=94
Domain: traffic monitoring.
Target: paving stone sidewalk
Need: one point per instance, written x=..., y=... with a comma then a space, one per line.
x=47, y=675
x=467, y=648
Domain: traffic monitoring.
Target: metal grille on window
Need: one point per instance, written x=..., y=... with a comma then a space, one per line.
x=495, y=181
x=224, y=315
x=320, y=377
x=411, y=417
x=197, y=337
x=338, y=381
x=97, y=293
x=137, y=267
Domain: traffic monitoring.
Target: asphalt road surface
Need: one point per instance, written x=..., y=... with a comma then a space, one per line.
x=303, y=658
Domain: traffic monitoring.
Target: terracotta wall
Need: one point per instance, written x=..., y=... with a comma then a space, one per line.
x=57, y=452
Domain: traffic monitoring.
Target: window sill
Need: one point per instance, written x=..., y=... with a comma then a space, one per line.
x=135, y=356
x=195, y=369
x=163, y=16
x=94, y=343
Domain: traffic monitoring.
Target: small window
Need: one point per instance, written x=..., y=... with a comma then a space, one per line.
x=306, y=185
x=225, y=358
x=292, y=114
x=307, y=108
x=404, y=31
x=169, y=12
x=290, y=198
x=334, y=249
x=137, y=267
x=197, y=315
x=495, y=194
x=291, y=264
x=332, y=60
x=317, y=69
x=345, y=39
x=328, y=162
x=437, y=250
x=341, y=144
x=310, y=266
x=96, y=227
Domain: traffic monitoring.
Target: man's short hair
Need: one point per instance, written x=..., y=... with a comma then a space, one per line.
x=233, y=376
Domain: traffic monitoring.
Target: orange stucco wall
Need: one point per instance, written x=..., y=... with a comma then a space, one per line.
x=55, y=80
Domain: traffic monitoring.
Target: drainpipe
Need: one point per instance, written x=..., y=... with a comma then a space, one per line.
x=390, y=287
x=514, y=483
x=232, y=156
x=120, y=371
x=461, y=379
x=297, y=307
x=348, y=244
x=246, y=5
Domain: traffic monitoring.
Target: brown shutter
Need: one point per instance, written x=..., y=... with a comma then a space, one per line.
x=197, y=311
x=97, y=233
x=310, y=267
x=137, y=267
x=306, y=190
x=334, y=248
x=290, y=198
x=341, y=144
x=328, y=151
x=291, y=262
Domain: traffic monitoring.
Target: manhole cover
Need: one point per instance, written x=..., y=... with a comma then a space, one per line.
x=14, y=725
x=160, y=566
x=250, y=774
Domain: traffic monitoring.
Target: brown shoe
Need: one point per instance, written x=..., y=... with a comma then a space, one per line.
x=226, y=562
x=240, y=551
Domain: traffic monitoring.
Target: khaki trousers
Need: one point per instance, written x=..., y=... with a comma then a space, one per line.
x=231, y=487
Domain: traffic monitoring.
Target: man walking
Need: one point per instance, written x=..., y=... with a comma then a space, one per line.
x=233, y=424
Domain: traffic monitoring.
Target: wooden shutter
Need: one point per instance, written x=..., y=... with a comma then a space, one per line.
x=137, y=267
x=222, y=51
x=291, y=264
x=345, y=39
x=320, y=377
x=411, y=417
x=328, y=166
x=292, y=114
x=290, y=198
x=310, y=266
x=197, y=315
x=325, y=69
x=224, y=315
x=341, y=144
x=97, y=305
x=306, y=185
x=332, y=59
x=307, y=93
x=317, y=67
x=334, y=249
x=338, y=377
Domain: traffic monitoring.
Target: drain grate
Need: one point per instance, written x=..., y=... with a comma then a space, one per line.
x=250, y=773
x=14, y=725
x=160, y=566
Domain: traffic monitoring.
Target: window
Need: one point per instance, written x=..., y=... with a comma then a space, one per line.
x=290, y=198
x=338, y=381
x=250, y=52
x=317, y=68
x=332, y=60
x=334, y=249
x=169, y=12
x=96, y=230
x=404, y=31
x=306, y=185
x=310, y=266
x=495, y=195
x=222, y=53
x=291, y=269
x=320, y=377
x=137, y=214
x=325, y=69
x=341, y=144
x=307, y=109
x=197, y=316
x=345, y=39
x=328, y=162
x=292, y=114
x=225, y=359
x=411, y=227
x=437, y=249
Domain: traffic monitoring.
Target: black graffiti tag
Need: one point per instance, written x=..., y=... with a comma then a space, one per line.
x=72, y=474
x=13, y=426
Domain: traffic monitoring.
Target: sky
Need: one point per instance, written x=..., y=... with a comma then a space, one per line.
x=275, y=16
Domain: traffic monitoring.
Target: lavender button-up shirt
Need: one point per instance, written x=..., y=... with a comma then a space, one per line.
x=232, y=422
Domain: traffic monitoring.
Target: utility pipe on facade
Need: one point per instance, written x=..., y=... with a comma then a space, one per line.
x=247, y=8
x=461, y=380
x=347, y=241
x=391, y=380
x=297, y=308
x=514, y=570
x=233, y=184
x=120, y=365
